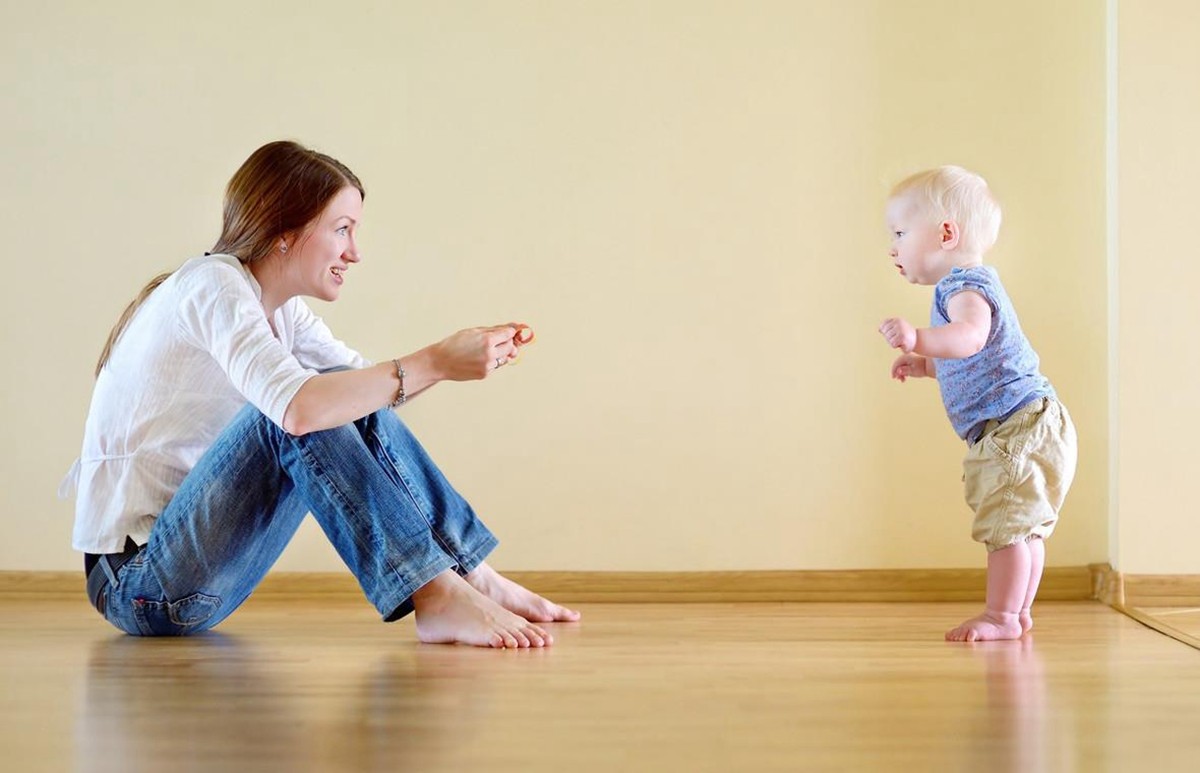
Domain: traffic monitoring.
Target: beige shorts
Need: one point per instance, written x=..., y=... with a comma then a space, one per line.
x=1017, y=474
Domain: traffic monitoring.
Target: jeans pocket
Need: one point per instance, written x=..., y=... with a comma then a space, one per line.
x=193, y=610
x=175, y=618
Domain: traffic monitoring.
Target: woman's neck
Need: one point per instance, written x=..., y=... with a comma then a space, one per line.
x=271, y=275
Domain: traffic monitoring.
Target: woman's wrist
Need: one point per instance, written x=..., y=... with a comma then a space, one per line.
x=401, y=394
x=422, y=370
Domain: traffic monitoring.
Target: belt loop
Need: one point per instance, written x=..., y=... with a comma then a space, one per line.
x=112, y=576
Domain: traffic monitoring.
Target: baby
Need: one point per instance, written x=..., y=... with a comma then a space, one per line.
x=1020, y=440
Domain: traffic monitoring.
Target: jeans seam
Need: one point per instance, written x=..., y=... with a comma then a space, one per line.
x=456, y=555
x=327, y=483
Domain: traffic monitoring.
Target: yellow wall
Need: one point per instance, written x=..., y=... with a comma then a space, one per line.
x=684, y=198
x=1158, y=367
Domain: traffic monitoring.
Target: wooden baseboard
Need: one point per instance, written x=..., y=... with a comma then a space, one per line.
x=1143, y=596
x=1079, y=583
x=1162, y=590
x=1108, y=586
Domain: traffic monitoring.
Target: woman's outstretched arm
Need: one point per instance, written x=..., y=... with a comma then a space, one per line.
x=330, y=400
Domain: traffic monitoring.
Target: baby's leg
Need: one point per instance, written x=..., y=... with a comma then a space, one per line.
x=1007, y=586
x=1037, y=560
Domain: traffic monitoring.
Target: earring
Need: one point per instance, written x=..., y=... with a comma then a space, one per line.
x=283, y=248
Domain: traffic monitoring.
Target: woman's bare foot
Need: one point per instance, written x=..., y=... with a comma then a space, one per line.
x=989, y=626
x=449, y=610
x=516, y=598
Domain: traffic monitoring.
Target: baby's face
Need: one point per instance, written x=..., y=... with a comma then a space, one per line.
x=917, y=250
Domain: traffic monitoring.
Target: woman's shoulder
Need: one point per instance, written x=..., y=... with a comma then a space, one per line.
x=215, y=271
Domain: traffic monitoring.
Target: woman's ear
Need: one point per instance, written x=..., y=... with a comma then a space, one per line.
x=950, y=234
x=283, y=245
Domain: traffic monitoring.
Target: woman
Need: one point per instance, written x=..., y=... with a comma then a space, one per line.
x=224, y=411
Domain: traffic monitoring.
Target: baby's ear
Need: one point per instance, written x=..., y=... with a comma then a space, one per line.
x=950, y=234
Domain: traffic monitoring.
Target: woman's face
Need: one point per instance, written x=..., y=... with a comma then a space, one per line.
x=327, y=246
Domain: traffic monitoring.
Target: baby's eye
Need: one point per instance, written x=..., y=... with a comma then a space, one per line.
x=897, y=234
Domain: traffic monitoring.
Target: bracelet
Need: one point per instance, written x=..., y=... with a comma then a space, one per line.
x=400, y=396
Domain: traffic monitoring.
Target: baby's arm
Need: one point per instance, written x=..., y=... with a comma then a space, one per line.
x=965, y=335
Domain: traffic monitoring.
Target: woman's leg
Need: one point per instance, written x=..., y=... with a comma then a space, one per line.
x=451, y=519
x=242, y=503
x=228, y=522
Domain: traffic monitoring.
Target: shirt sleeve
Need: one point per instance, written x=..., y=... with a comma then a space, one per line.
x=219, y=313
x=315, y=345
x=957, y=283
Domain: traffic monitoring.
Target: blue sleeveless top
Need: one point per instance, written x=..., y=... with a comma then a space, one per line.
x=1000, y=379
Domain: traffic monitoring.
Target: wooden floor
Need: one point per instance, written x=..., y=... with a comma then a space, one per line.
x=1181, y=622
x=683, y=687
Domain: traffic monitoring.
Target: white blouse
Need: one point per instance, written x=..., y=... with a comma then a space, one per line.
x=196, y=352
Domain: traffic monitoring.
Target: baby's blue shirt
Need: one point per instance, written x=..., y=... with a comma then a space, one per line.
x=1000, y=379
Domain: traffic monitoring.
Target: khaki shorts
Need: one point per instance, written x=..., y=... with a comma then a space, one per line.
x=1017, y=474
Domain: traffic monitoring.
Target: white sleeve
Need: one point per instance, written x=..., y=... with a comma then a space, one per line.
x=315, y=346
x=219, y=313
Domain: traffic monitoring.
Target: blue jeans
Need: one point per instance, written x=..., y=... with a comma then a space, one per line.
x=390, y=513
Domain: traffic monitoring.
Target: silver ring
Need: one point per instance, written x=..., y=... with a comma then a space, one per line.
x=499, y=361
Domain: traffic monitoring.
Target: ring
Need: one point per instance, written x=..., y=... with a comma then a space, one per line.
x=499, y=361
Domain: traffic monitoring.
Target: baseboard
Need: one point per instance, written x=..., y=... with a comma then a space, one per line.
x=1162, y=590
x=1079, y=583
x=1108, y=585
x=1143, y=596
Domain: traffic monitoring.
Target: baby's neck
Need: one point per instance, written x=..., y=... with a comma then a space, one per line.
x=957, y=260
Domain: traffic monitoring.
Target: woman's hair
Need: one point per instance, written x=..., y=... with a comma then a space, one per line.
x=953, y=193
x=279, y=190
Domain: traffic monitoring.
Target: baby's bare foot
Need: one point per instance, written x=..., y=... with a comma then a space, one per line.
x=516, y=598
x=448, y=610
x=1026, y=621
x=989, y=626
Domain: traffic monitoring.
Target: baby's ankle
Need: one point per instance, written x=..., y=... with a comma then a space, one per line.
x=1003, y=617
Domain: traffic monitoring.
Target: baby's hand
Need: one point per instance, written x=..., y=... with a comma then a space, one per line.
x=910, y=366
x=899, y=334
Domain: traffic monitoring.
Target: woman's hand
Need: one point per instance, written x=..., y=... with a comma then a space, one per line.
x=472, y=354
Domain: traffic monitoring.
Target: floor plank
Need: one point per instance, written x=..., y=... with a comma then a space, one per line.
x=1184, y=620
x=770, y=686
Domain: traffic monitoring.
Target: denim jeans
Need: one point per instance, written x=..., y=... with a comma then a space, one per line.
x=389, y=512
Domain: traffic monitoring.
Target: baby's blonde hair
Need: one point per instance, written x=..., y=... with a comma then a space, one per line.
x=953, y=193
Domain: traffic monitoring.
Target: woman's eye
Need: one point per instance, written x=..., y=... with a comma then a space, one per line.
x=343, y=230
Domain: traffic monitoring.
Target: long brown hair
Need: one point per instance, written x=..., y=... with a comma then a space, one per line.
x=282, y=187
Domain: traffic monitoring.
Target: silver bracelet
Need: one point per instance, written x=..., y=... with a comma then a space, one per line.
x=400, y=396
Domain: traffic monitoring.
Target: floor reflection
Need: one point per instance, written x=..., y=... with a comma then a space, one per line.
x=1012, y=731
x=216, y=701
x=203, y=701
